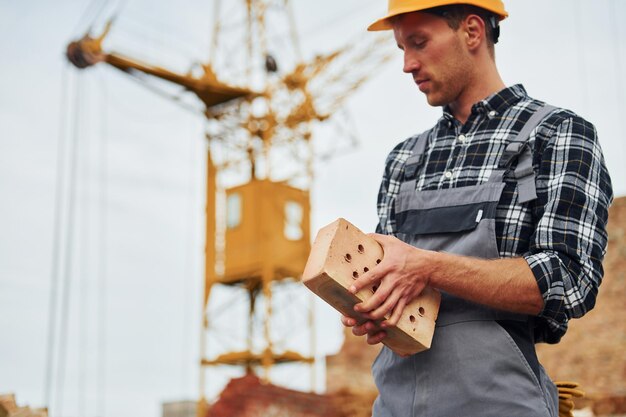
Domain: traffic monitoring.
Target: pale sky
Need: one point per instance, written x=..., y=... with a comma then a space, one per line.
x=570, y=53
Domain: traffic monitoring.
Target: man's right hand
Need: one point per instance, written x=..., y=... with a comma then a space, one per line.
x=375, y=333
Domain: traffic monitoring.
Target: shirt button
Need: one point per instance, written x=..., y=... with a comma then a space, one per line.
x=448, y=174
x=461, y=138
x=492, y=113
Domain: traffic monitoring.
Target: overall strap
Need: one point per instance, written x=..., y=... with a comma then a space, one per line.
x=416, y=158
x=518, y=147
x=414, y=161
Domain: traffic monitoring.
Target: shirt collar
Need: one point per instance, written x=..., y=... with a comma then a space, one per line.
x=495, y=104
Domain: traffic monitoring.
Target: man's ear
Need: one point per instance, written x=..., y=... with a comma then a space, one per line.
x=474, y=31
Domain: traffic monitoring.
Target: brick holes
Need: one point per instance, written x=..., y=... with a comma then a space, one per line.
x=355, y=273
x=412, y=318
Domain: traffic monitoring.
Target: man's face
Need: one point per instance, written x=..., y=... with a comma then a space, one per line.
x=434, y=54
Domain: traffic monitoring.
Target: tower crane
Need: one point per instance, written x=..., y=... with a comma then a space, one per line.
x=259, y=130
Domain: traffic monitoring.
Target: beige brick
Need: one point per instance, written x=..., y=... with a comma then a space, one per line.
x=342, y=253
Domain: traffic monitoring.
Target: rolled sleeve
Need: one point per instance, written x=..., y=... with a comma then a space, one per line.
x=570, y=239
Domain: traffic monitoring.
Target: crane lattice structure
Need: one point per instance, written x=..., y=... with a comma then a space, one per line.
x=261, y=113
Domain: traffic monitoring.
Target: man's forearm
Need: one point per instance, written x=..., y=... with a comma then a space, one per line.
x=504, y=284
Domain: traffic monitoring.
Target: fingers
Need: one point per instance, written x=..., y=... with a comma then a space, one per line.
x=348, y=321
x=370, y=329
x=565, y=408
x=360, y=330
x=373, y=339
x=565, y=392
x=369, y=278
x=381, y=311
x=397, y=313
x=381, y=292
x=376, y=301
x=367, y=328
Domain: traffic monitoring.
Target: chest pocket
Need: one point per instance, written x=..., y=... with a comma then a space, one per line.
x=456, y=220
x=451, y=219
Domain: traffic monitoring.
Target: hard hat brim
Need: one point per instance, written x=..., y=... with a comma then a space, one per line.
x=385, y=24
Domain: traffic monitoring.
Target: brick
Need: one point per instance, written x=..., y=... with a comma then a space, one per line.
x=340, y=254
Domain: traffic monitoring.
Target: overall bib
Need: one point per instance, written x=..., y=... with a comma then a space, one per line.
x=482, y=362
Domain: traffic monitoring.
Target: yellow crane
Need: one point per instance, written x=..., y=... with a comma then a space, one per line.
x=260, y=129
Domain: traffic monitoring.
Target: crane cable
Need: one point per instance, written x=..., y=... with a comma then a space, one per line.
x=56, y=238
x=84, y=236
x=101, y=272
x=57, y=242
x=86, y=13
x=177, y=99
x=58, y=267
x=582, y=58
x=293, y=31
x=69, y=246
x=617, y=62
x=99, y=11
x=63, y=251
x=188, y=269
x=323, y=27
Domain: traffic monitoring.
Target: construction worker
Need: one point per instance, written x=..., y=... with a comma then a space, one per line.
x=502, y=206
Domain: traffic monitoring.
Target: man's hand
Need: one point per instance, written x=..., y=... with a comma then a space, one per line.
x=504, y=284
x=375, y=334
x=400, y=277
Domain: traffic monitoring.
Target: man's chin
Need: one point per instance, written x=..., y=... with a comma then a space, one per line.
x=435, y=101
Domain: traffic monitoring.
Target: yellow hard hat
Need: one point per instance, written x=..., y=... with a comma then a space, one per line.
x=397, y=7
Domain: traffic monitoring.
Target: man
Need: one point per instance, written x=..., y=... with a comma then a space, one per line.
x=502, y=206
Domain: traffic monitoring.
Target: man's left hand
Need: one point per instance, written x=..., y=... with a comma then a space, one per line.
x=400, y=277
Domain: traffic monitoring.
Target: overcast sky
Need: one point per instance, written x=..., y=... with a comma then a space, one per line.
x=570, y=53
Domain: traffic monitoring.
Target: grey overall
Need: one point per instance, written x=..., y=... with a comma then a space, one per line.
x=482, y=362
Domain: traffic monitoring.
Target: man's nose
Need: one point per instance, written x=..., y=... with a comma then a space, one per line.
x=410, y=63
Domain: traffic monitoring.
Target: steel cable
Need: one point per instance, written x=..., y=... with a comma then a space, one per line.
x=102, y=250
x=69, y=247
x=56, y=239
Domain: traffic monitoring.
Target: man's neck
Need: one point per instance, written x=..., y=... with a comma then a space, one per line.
x=484, y=83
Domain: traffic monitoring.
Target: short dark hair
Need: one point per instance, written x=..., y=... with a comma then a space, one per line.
x=455, y=13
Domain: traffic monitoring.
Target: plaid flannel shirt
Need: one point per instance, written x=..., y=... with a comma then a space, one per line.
x=562, y=234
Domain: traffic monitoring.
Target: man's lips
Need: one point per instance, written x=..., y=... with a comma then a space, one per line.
x=421, y=82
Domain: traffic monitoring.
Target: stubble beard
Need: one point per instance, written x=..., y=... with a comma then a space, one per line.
x=452, y=79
